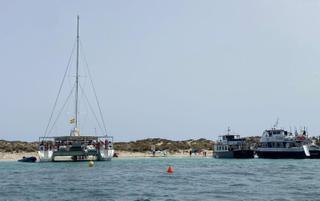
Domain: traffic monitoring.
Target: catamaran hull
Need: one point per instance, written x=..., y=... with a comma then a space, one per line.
x=106, y=155
x=45, y=156
x=50, y=156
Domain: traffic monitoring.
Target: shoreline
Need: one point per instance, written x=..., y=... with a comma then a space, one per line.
x=7, y=156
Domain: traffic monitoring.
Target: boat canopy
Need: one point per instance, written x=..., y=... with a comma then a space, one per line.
x=73, y=138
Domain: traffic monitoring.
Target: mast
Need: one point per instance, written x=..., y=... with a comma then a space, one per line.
x=77, y=78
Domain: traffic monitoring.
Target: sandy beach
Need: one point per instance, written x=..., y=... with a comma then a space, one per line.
x=125, y=154
x=7, y=156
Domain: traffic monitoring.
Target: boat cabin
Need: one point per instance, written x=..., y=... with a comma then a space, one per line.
x=230, y=139
x=279, y=138
x=229, y=143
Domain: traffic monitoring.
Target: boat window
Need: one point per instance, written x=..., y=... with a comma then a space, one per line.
x=288, y=145
x=229, y=137
x=269, y=144
x=275, y=132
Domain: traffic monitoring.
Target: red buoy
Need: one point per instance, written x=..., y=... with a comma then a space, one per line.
x=170, y=169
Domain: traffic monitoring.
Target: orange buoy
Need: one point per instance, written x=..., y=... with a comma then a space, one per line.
x=170, y=169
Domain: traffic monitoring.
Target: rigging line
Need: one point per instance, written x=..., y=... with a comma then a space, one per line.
x=83, y=120
x=61, y=110
x=94, y=90
x=91, y=108
x=69, y=79
x=59, y=91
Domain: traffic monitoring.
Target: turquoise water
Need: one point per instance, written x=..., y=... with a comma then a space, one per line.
x=146, y=179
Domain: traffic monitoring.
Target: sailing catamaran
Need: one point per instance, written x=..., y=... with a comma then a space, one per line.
x=75, y=147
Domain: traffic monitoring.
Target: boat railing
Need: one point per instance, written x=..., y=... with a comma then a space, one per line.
x=237, y=142
x=83, y=143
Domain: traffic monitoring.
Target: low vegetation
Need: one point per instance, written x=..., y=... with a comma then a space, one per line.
x=133, y=146
x=163, y=144
x=18, y=146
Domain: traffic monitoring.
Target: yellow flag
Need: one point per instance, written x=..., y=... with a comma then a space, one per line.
x=72, y=121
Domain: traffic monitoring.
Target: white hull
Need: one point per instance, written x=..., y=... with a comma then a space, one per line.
x=107, y=155
x=45, y=156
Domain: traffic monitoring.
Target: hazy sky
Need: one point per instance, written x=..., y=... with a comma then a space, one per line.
x=171, y=69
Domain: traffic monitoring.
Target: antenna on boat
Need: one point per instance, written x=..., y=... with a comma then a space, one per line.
x=229, y=130
x=276, y=123
x=296, y=131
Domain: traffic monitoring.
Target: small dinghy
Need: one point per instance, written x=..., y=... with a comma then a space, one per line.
x=31, y=159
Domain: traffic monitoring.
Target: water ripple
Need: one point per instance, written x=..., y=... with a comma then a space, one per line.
x=146, y=179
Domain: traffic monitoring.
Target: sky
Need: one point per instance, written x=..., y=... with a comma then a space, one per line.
x=171, y=69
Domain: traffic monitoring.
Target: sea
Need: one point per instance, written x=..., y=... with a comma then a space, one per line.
x=146, y=179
